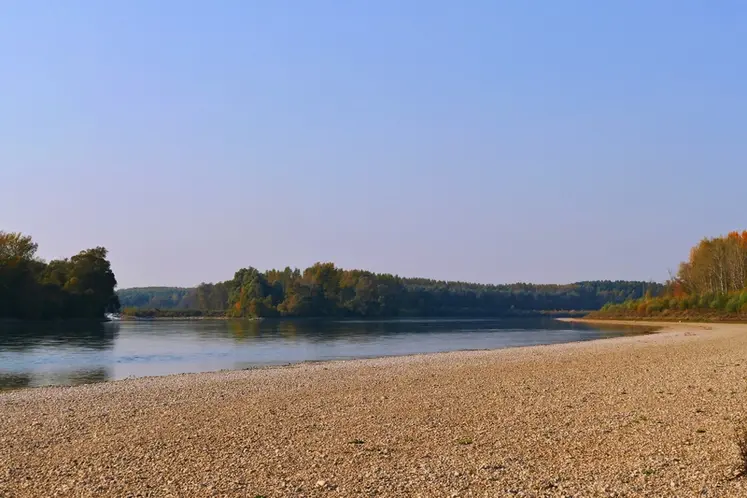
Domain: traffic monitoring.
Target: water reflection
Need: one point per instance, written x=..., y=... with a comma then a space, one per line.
x=34, y=354
x=320, y=330
x=45, y=353
x=19, y=336
x=14, y=381
x=90, y=376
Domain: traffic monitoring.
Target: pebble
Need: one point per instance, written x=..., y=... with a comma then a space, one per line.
x=615, y=416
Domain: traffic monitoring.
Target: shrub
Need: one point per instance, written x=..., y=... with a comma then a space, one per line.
x=705, y=301
x=732, y=306
x=654, y=307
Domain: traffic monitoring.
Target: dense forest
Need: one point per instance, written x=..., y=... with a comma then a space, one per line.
x=711, y=284
x=158, y=297
x=323, y=290
x=79, y=287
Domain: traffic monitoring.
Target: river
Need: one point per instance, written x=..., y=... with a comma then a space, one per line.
x=39, y=354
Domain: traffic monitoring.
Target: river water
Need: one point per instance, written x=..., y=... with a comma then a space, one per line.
x=38, y=354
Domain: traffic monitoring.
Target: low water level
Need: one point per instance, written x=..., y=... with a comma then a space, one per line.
x=67, y=354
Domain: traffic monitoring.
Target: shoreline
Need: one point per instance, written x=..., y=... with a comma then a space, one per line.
x=659, y=324
x=729, y=319
x=549, y=315
x=647, y=328
x=646, y=414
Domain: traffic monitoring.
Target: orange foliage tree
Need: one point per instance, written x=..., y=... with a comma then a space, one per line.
x=716, y=266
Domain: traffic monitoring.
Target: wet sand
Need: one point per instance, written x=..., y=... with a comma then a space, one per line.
x=646, y=415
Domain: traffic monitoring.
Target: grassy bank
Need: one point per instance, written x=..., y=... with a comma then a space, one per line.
x=709, y=316
x=724, y=307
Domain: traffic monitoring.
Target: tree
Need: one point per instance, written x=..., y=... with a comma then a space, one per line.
x=717, y=265
x=16, y=247
x=81, y=287
x=323, y=290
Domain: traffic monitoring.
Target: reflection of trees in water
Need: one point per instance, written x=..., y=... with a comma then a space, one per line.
x=243, y=329
x=19, y=336
x=14, y=381
x=615, y=330
x=72, y=378
x=321, y=330
x=325, y=330
x=91, y=376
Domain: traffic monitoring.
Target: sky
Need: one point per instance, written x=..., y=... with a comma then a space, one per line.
x=484, y=141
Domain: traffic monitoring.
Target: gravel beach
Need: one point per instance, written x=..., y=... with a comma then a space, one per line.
x=646, y=415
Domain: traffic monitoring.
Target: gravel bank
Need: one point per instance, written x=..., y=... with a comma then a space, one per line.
x=645, y=415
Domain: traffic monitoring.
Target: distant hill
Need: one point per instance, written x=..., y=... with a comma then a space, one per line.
x=157, y=297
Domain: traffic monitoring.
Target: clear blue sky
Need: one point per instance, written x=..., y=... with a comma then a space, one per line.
x=545, y=141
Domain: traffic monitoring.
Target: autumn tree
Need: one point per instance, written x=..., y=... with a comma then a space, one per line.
x=716, y=266
x=15, y=248
x=324, y=290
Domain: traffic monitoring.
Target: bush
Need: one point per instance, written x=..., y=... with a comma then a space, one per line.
x=705, y=301
x=710, y=307
x=732, y=306
x=654, y=307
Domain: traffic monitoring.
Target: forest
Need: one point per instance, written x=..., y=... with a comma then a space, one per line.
x=78, y=287
x=323, y=290
x=710, y=285
x=83, y=286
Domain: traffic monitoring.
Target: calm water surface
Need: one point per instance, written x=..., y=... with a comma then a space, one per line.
x=53, y=354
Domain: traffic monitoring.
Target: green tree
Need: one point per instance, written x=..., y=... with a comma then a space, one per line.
x=81, y=287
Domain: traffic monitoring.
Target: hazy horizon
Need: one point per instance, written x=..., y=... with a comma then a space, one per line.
x=543, y=143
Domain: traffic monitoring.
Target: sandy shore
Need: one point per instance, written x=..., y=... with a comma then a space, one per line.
x=635, y=416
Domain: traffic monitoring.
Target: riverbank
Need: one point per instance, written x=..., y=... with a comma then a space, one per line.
x=639, y=415
x=696, y=316
x=126, y=318
x=171, y=315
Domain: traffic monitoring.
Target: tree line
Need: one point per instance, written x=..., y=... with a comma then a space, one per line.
x=711, y=284
x=323, y=290
x=715, y=266
x=158, y=297
x=78, y=287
